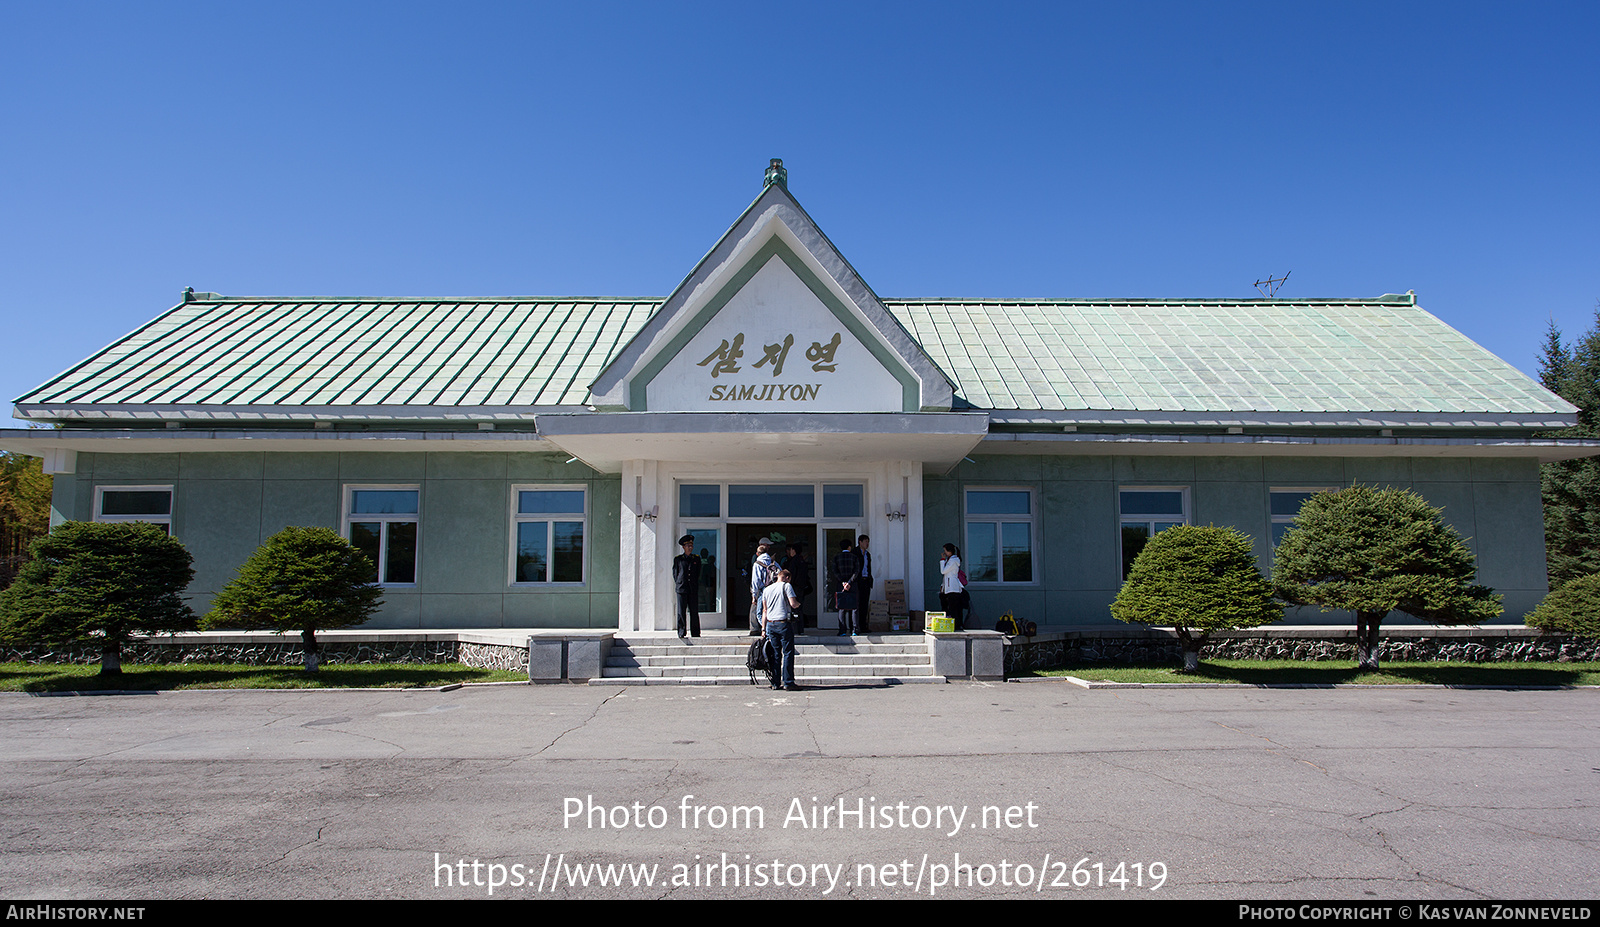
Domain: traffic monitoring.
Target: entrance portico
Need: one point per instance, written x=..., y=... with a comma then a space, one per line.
x=829, y=474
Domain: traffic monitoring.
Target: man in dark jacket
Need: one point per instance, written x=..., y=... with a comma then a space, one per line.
x=846, y=574
x=863, y=584
x=800, y=570
x=686, y=579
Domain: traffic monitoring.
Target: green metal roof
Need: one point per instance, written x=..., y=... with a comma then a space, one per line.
x=1260, y=355
x=520, y=353
x=1010, y=356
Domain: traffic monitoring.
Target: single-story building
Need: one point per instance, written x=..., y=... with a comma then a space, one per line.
x=531, y=461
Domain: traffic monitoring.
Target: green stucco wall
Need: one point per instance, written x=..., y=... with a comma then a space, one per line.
x=1077, y=547
x=225, y=504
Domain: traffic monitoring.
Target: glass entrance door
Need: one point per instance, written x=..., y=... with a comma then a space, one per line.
x=708, y=544
x=742, y=542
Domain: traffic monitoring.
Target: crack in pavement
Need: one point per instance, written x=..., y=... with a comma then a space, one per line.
x=581, y=724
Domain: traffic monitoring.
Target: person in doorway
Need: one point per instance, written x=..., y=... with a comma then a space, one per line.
x=800, y=571
x=863, y=585
x=952, y=590
x=847, y=573
x=777, y=607
x=762, y=571
x=708, y=580
x=686, y=580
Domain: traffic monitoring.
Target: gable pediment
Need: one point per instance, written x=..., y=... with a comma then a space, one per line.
x=773, y=320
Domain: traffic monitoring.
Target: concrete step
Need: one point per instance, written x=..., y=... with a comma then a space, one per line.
x=743, y=679
x=820, y=660
x=830, y=669
x=822, y=656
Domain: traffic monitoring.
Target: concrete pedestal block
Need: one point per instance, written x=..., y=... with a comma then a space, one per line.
x=968, y=654
x=585, y=657
x=949, y=655
x=988, y=655
x=547, y=659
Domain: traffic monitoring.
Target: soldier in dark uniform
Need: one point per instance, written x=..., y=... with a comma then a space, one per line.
x=686, y=580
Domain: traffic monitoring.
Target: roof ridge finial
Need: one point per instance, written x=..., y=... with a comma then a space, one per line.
x=776, y=175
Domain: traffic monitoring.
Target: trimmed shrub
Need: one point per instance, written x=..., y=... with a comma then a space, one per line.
x=99, y=583
x=301, y=579
x=1199, y=580
x=1373, y=551
x=1574, y=607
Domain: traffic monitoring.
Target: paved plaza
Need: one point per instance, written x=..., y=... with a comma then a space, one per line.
x=967, y=790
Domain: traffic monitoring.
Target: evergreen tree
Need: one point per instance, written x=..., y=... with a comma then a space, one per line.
x=1573, y=608
x=1571, y=488
x=301, y=579
x=101, y=583
x=1373, y=551
x=24, y=510
x=1198, y=580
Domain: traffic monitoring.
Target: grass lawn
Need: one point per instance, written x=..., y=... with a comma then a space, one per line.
x=64, y=677
x=1265, y=672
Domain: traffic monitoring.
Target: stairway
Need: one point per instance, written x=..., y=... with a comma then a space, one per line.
x=718, y=660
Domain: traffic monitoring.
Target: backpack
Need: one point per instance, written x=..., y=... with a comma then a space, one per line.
x=756, y=660
x=1011, y=626
x=961, y=577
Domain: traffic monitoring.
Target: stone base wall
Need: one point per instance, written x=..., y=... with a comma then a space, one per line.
x=286, y=652
x=493, y=656
x=1051, y=650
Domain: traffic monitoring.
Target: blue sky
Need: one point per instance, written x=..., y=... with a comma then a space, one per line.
x=986, y=150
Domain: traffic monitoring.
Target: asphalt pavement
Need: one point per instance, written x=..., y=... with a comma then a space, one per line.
x=968, y=790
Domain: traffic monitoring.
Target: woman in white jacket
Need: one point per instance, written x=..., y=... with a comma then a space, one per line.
x=952, y=592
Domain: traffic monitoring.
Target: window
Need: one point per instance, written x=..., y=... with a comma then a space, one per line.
x=134, y=503
x=700, y=500
x=772, y=501
x=381, y=522
x=548, y=524
x=1285, y=505
x=843, y=500
x=999, y=536
x=1145, y=511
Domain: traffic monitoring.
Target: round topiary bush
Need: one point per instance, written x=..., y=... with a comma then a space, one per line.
x=1199, y=580
x=1373, y=551
x=301, y=579
x=102, y=583
x=1574, y=607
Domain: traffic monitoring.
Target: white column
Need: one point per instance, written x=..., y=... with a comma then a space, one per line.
x=638, y=575
x=916, y=557
x=628, y=532
x=653, y=514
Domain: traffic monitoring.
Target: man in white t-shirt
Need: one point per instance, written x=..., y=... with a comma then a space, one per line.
x=778, y=607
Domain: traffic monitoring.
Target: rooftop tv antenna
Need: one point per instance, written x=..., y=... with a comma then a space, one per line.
x=1270, y=286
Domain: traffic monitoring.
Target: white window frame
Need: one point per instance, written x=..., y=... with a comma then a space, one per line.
x=1031, y=520
x=163, y=520
x=1148, y=521
x=1274, y=520
x=550, y=518
x=350, y=489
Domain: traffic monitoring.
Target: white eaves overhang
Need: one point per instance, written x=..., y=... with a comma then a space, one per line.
x=1546, y=450
x=59, y=446
x=604, y=440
